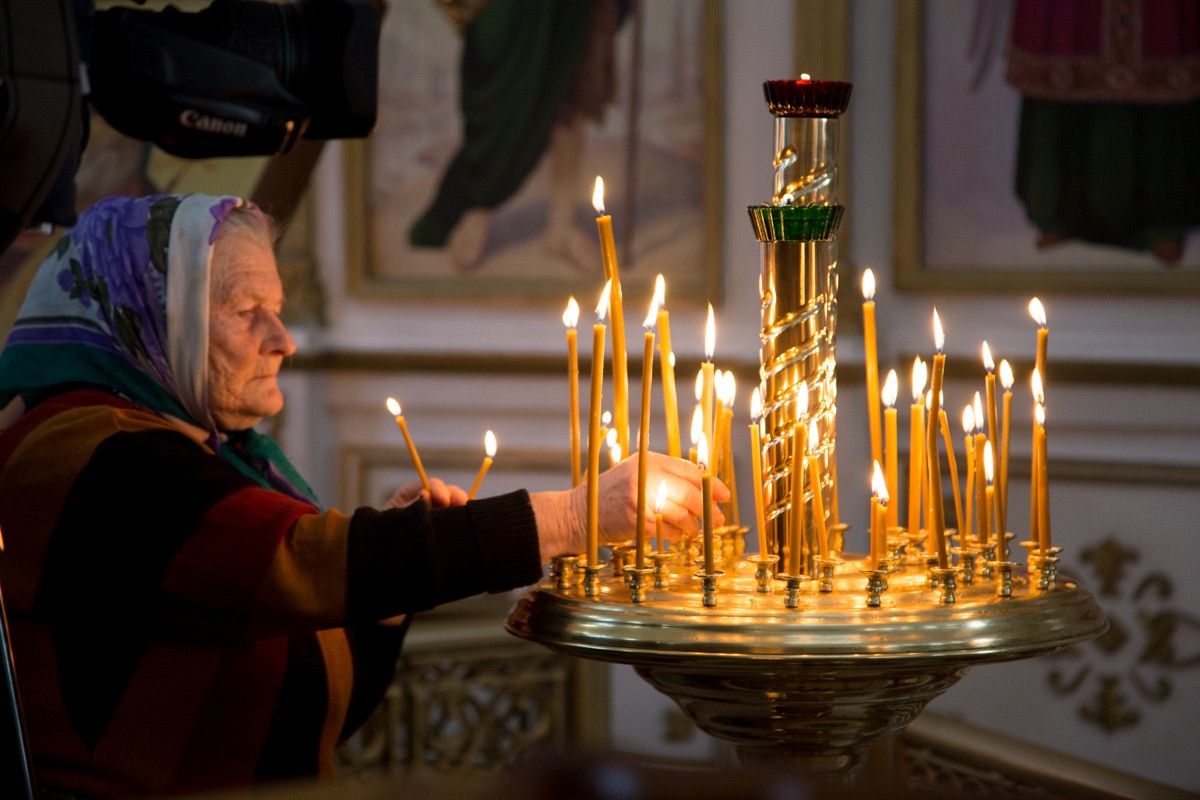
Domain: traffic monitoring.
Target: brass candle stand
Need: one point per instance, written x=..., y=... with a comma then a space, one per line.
x=806, y=653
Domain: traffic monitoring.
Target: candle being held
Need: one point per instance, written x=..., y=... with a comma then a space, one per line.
x=608, y=252
x=594, y=442
x=394, y=407
x=570, y=320
x=937, y=522
x=644, y=430
x=489, y=449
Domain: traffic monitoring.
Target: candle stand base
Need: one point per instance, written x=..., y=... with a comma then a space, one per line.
x=1046, y=566
x=876, y=585
x=791, y=597
x=1004, y=570
x=708, y=586
x=932, y=576
x=987, y=558
x=591, y=580
x=563, y=571
x=825, y=570
x=636, y=578
x=948, y=583
x=764, y=571
x=661, y=573
x=967, y=556
x=814, y=690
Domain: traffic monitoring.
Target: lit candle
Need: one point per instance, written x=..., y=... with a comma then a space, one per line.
x=868, y=308
x=614, y=449
x=1043, y=481
x=916, y=446
x=660, y=500
x=706, y=500
x=594, y=443
x=891, y=471
x=835, y=514
x=717, y=440
x=990, y=497
x=394, y=408
x=760, y=519
x=981, y=518
x=989, y=367
x=727, y=449
x=697, y=429
x=878, y=536
x=1006, y=383
x=644, y=429
x=608, y=251
x=968, y=421
x=1038, y=312
x=952, y=462
x=938, y=522
x=814, y=479
x=667, y=367
x=707, y=375
x=489, y=449
x=570, y=319
x=796, y=529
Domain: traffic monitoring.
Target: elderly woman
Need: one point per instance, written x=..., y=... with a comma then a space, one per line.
x=184, y=615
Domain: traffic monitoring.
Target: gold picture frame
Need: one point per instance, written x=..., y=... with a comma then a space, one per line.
x=974, y=240
x=658, y=148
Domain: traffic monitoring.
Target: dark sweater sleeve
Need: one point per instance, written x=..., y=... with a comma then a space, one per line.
x=411, y=559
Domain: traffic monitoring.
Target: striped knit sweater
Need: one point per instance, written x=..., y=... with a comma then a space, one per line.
x=176, y=627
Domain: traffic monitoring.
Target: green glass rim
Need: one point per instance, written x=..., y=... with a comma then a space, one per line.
x=816, y=223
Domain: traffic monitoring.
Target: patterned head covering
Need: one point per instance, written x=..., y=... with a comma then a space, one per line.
x=122, y=304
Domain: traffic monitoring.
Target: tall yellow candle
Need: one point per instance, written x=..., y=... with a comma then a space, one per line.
x=608, y=251
x=916, y=446
x=667, y=368
x=872, y=358
x=989, y=496
x=952, y=463
x=796, y=529
x=489, y=450
x=981, y=518
x=1038, y=312
x=1006, y=383
x=968, y=421
x=730, y=479
x=938, y=523
x=571, y=319
x=707, y=374
x=594, y=441
x=717, y=441
x=760, y=520
x=814, y=479
x=878, y=534
x=989, y=366
x=644, y=430
x=394, y=408
x=706, y=501
x=697, y=430
x=891, y=470
x=1035, y=469
x=660, y=500
x=1044, y=539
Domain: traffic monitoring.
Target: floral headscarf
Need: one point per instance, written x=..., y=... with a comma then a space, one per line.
x=122, y=304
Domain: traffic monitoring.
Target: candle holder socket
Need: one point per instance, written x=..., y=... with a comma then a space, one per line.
x=915, y=552
x=591, y=579
x=791, y=598
x=764, y=571
x=876, y=585
x=563, y=569
x=661, y=560
x=636, y=578
x=1047, y=568
x=967, y=554
x=948, y=585
x=837, y=537
x=932, y=565
x=708, y=586
x=987, y=561
x=1004, y=570
x=825, y=570
x=622, y=556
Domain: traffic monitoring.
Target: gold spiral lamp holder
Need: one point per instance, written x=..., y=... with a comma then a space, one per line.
x=789, y=656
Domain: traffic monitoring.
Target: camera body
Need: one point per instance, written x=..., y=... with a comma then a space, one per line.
x=237, y=78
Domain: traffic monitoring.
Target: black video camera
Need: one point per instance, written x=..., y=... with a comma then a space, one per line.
x=238, y=78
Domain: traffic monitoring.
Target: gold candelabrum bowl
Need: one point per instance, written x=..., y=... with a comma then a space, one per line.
x=808, y=672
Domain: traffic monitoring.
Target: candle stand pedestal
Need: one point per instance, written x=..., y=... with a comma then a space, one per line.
x=764, y=571
x=814, y=687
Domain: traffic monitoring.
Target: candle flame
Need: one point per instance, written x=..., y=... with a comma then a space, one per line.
x=652, y=315
x=804, y=76
x=697, y=423
x=868, y=285
x=660, y=499
x=1039, y=414
x=988, y=364
x=710, y=335
x=571, y=315
x=979, y=417
x=660, y=290
x=729, y=384
x=489, y=444
x=610, y=438
x=602, y=306
x=755, y=405
x=939, y=336
x=1006, y=375
x=393, y=406
x=919, y=375
x=1035, y=383
x=891, y=389
x=878, y=483
x=814, y=440
x=968, y=419
x=702, y=452
x=802, y=400
x=700, y=385
x=1037, y=312
x=598, y=196
x=615, y=453
x=988, y=462
x=606, y=418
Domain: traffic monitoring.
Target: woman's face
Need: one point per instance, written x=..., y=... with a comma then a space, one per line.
x=247, y=341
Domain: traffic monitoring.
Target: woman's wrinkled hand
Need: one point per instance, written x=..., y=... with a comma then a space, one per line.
x=440, y=495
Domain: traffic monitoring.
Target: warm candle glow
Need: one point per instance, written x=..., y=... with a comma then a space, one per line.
x=1006, y=375
x=868, y=285
x=872, y=364
x=1038, y=312
x=489, y=449
x=697, y=425
x=939, y=336
x=1006, y=382
x=602, y=306
x=878, y=532
x=891, y=389
x=710, y=335
x=891, y=464
x=937, y=514
x=1035, y=383
x=986, y=352
x=920, y=374
x=571, y=319
x=394, y=407
x=598, y=195
x=916, y=445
